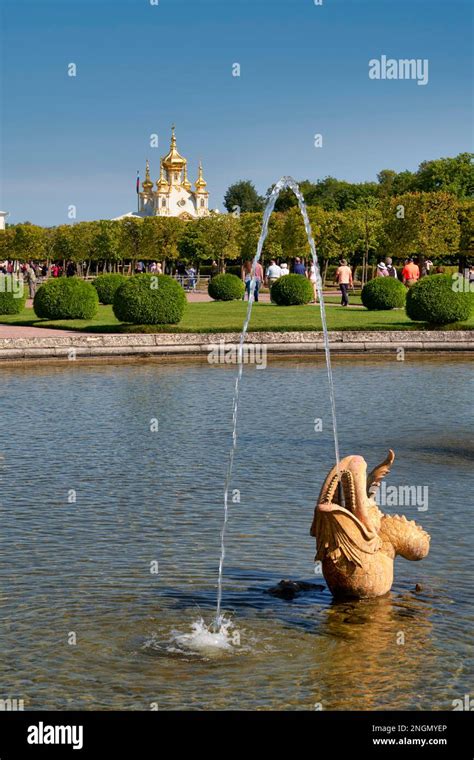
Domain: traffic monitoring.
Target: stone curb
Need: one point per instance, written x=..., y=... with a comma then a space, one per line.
x=176, y=344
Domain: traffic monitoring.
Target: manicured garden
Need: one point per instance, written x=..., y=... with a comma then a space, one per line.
x=157, y=303
x=228, y=316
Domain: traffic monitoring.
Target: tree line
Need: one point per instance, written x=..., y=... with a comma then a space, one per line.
x=436, y=223
x=450, y=175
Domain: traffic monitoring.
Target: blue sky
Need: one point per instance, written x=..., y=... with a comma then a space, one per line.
x=304, y=70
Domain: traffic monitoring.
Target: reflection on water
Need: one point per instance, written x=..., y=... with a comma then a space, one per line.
x=86, y=566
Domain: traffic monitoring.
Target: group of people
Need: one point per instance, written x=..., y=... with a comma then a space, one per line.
x=410, y=272
x=32, y=271
x=187, y=275
x=153, y=267
x=29, y=272
x=273, y=273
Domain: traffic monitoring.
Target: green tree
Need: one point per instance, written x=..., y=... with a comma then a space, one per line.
x=452, y=175
x=326, y=229
x=393, y=183
x=103, y=239
x=192, y=244
x=7, y=238
x=171, y=228
x=248, y=234
x=63, y=248
x=365, y=218
x=242, y=196
x=29, y=242
x=152, y=242
x=294, y=240
x=131, y=233
x=273, y=245
x=386, y=178
x=330, y=193
x=422, y=223
x=466, y=233
x=220, y=236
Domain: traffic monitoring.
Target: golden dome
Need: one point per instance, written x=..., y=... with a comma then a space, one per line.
x=186, y=183
x=200, y=182
x=162, y=183
x=147, y=184
x=173, y=159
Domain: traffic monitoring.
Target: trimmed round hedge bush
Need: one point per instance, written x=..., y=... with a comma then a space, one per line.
x=146, y=299
x=12, y=294
x=292, y=290
x=434, y=300
x=66, y=298
x=106, y=286
x=383, y=293
x=226, y=287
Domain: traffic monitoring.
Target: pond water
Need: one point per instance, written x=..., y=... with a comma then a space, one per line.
x=92, y=499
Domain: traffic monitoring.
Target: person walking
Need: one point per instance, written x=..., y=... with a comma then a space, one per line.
x=258, y=279
x=181, y=272
x=391, y=270
x=273, y=274
x=70, y=269
x=30, y=278
x=191, y=275
x=247, y=277
x=299, y=267
x=313, y=278
x=344, y=280
x=410, y=273
x=382, y=270
x=284, y=269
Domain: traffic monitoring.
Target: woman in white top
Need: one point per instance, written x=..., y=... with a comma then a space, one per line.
x=312, y=276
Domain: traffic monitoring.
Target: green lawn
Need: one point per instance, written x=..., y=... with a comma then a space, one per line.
x=354, y=299
x=228, y=317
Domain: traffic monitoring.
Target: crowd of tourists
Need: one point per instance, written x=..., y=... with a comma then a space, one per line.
x=186, y=274
x=273, y=272
x=409, y=275
x=33, y=272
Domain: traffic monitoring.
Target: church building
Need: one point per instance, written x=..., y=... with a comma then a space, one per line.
x=173, y=194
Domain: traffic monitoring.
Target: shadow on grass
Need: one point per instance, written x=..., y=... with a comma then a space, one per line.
x=130, y=329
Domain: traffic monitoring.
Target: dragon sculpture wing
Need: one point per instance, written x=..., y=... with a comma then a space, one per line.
x=375, y=477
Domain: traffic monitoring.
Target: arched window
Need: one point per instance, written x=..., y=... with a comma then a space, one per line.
x=202, y=203
x=163, y=202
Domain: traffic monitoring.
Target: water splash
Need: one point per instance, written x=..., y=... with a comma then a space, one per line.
x=283, y=183
x=204, y=640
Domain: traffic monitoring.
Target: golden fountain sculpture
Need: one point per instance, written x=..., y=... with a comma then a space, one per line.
x=357, y=543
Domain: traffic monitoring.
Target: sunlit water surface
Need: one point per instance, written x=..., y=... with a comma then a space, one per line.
x=92, y=499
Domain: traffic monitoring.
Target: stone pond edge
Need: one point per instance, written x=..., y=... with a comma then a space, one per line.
x=185, y=344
